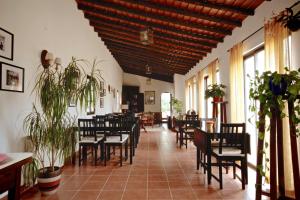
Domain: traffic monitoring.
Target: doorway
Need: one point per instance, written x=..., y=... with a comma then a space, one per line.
x=165, y=104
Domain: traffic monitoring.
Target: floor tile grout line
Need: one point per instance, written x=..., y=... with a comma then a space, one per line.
x=186, y=177
x=77, y=191
x=104, y=184
x=126, y=182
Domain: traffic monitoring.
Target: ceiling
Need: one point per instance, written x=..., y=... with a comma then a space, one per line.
x=185, y=31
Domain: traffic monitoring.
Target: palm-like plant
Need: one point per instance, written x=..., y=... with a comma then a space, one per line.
x=51, y=129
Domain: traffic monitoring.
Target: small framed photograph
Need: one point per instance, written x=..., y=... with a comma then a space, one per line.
x=101, y=102
x=11, y=77
x=6, y=44
x=102, y=88
x=149, y=97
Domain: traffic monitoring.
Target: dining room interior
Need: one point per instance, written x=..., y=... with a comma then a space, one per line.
x=149, y=99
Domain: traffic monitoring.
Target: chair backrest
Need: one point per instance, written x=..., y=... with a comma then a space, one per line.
x=233, y=135
x=191, y=121
x=86, y=128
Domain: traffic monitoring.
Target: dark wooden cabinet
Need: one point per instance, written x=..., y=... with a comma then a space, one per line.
x=131, y=95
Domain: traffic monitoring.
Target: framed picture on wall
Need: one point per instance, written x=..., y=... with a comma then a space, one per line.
x=11, y=78
x=6, y=44
x=149, y=97
x=101, y=102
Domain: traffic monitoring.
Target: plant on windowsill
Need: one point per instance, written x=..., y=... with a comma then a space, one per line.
x=49, y=126
x=215, y=91
x=272, y=90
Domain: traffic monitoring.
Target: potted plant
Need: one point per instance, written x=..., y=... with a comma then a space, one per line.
x=216, y=91
x=177, y=106
x=272, y=90
x=49, y=126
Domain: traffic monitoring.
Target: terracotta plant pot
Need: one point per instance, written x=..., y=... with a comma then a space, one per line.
x=48, y=181
x=218, y=99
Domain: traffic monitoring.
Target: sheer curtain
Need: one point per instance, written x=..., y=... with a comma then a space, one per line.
x=236, y=84
x=277, y=57
x=210, y=70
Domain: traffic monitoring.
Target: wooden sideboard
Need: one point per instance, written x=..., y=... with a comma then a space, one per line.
x=10, y=173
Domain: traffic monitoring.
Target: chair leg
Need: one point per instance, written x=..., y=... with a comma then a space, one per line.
x=186, y=140
x=204, y=163
x=243, y=166
x=121, y=155
x=176, y=137
x=220, y=173
x=79, y=162
x=105, y=154
x=198, y=157
x=234, y=170
x=126, y=150
x=95, y=149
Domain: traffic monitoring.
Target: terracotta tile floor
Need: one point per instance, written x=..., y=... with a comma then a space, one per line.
x=160, y=170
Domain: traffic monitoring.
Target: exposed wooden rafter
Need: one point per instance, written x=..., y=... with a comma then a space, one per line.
x=185, y=31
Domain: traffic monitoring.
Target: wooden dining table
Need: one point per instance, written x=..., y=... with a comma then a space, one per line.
x=10, y=173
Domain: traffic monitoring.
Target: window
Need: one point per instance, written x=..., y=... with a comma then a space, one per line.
x=205, y=100
x=195, y=94
x=90, y=102
x=218, y=77
x=252, y=62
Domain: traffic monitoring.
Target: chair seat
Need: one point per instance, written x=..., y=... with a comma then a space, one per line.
x=228, y=151
x=189, y=130
x=116, y=139
x=91, y=140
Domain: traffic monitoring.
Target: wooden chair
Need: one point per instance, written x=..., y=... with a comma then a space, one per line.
x=200, y=144
x=231, y=148
x=191, y=121
x=114, y=138
x=88, y=139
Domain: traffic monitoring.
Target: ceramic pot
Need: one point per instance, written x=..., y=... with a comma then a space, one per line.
x=48, y=181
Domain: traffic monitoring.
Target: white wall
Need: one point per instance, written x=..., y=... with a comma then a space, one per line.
x=249, y=26
x=61, y=28
x=179, y=87
x=156, y=85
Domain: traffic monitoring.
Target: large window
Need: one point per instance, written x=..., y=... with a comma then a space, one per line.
x=205, y=100
x=252, y=62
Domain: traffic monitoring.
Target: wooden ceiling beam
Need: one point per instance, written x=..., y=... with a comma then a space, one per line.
x=156, y=64
x=157, y=43
x=158, y=52
x=154, y=68
x=146, y=57
x=188, y=13
x=90, y=14
x=218, y=6
x=155, y=52
x=162, y=58
x=102, y=5
x=157, y=39
x=165, y=36
x=156, y=76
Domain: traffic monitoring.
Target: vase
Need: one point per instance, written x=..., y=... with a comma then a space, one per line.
x=217, y=99
x=48, y=181
x=278, y=89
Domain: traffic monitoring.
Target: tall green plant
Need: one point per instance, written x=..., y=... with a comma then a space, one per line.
x=51, y=129
x=177, y=105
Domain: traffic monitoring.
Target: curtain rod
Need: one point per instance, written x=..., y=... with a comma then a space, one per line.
x=261, y=27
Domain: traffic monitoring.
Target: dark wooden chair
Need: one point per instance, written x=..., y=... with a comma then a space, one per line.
x=88, y=139
x=201, y=145
x=231, y=148
x=115, y=137
x=191, y=122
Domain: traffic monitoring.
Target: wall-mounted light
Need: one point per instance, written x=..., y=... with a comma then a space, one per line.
x=47, y=59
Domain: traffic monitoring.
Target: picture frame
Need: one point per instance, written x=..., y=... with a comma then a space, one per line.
x=11, y=77
x=6, y=44
x=101, y=102
x=149, y=97
x=102, y=89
